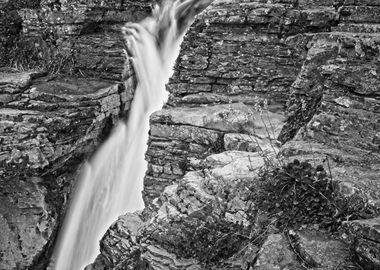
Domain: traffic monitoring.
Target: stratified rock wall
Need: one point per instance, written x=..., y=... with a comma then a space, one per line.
x=317, y=62
x=245, y=52
x=74, y=37
x=242, y=67
x=340, y=81
x=47, y=128
x=61, y=64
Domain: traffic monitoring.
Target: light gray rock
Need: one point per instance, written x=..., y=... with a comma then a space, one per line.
x=320, y=250
x=276, y=253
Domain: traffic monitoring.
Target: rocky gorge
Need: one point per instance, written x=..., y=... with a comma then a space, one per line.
x=258, y=85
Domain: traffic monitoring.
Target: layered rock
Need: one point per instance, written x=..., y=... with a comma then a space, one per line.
x=243, y=64
x=317, y=62
x=47, y=128
x=180, y=137
x=198, y=220
x=69, y=37
x=56, y=113
x=339, y=79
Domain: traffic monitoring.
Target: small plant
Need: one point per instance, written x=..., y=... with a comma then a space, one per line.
x=299, y=194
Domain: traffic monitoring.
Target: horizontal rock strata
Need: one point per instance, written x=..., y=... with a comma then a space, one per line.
x=47, y=127
x=241, y=61
x=69, y=37
x=61, y=63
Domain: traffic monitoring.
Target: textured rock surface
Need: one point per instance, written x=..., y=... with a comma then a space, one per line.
x=317, y=62
x=198, y=219
x=179, y=137
x=276, y=253
x=72, y=37
x=248, y=52
x=340, y=77
x=47, y=127
x=26, y=221
x=320, y=250
x=364, y=236
x=242, y=65
x=50, y=124
x=119, y=245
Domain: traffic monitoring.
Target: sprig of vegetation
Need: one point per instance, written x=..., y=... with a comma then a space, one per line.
x=299, y=194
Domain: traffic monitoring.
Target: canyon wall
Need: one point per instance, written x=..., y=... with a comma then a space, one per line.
x=255, y=78
x=61, y=64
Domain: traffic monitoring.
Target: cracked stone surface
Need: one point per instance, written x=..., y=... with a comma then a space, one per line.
x=48, y=126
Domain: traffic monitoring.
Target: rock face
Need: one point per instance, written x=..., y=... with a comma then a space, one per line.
x=47, y=127
x=69, y=37
x=179, y=137
x=320, y=250
x=207, y=208
x=243, y=66
x=304, y=72
x=61, y=64
x=276, y=254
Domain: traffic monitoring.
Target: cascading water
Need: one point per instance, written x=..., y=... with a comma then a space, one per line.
x=112, y=182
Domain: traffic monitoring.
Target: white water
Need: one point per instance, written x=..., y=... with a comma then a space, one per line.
x=111, y=183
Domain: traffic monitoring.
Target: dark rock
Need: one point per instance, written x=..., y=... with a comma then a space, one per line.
x=364, y=236
x=367, y=228
x=367, y=253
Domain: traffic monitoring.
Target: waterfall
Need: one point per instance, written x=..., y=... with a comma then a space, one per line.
x=111, y=182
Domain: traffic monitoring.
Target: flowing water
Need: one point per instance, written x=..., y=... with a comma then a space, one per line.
x=111, y=183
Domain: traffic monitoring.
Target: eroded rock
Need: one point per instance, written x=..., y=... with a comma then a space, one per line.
x=47, y=127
